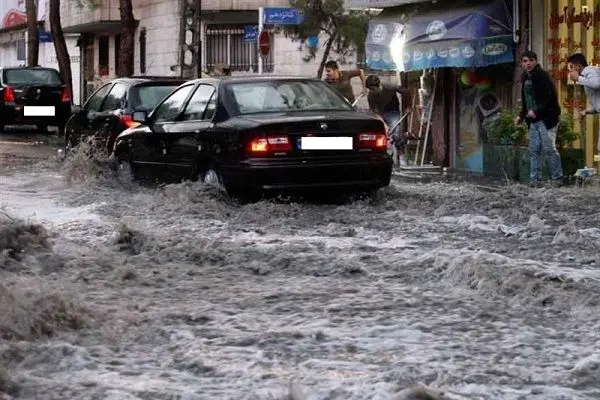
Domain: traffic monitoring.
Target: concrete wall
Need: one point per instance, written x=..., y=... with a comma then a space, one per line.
x=72, y=13
x=161, y=20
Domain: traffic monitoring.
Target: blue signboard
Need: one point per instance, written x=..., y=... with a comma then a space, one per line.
x=45, y=37
x=250, y=34
x=282, y=16
x=472, y=35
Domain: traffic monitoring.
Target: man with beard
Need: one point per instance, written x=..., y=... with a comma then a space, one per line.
x=383, y=101
x=541, y=111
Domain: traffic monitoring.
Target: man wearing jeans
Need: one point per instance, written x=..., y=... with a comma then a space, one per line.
x=541, y=112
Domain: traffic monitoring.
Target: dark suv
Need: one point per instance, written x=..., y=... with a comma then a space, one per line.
x=33, y=96
x=108, y=111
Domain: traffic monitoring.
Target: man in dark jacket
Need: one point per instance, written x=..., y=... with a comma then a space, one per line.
x=383, y=101
x=541, y=112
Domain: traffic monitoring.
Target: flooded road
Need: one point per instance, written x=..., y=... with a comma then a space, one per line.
x=171, y=292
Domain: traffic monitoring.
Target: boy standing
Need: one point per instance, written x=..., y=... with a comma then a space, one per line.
x=541, y=111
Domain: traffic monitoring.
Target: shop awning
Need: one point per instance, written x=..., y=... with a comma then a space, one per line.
x=363, y=4
x=466, y=35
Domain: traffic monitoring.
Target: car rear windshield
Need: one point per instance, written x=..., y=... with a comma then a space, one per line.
x=146, y=97
x=285, y=95
x=32, y=76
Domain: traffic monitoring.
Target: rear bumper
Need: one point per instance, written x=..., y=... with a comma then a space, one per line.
x=11, y=113
x=303, y=175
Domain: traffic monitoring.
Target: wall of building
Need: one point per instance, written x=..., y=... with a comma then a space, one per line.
x=73, y=13
x=161, y=21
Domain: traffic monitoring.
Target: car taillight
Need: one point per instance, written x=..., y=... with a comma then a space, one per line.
x=66, y=96
x=373, y=141
x=9, y=94
x=128, y=121
x=269, y=145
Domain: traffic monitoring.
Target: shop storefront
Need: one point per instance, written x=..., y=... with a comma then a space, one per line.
x=461, y=59
x=573, y=26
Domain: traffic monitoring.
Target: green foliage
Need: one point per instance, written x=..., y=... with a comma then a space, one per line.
x=565, y=135
x=502, y=130
x=347, y=29
x=89, y=4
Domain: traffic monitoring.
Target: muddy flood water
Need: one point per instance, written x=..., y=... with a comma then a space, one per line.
x=113, y=291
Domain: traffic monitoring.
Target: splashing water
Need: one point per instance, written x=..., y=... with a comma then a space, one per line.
x=181, y=294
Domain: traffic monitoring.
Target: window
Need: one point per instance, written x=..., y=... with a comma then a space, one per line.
x=103, y=55
x=117, y=51
x=94, y=102
x=143, y=51
x=284, y=95
x=25, y=76
x=146, y=97
x=21, y=54
x=169, y=109
x=226, y=44
x=115, y=97
x=197, y=105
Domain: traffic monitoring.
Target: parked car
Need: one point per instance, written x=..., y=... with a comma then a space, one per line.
x=254, y=134
x=108, y=111
x=33, y=96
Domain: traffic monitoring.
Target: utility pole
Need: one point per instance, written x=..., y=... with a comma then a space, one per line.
x=190, y=39
x=199, y=38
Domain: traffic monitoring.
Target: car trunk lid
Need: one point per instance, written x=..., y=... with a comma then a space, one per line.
x=38, y=94
x=318, y=134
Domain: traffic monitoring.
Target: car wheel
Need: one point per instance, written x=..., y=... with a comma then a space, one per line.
x=69, y=145
x=212, y=177
x=2, y=128
x=125, y=173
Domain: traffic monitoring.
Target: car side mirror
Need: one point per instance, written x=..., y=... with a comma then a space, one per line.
x=140, y=116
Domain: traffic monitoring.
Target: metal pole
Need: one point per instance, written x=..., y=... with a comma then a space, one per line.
x=261, y=18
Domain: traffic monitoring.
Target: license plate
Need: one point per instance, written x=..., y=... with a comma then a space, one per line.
x=38, y=111
x=326, y=143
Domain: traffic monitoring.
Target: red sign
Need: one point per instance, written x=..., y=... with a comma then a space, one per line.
x=264, y=43
x=14, y=18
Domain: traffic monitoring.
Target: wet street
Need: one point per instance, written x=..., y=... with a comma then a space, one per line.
x=171, y=292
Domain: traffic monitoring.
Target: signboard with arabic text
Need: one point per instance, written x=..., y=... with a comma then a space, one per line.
x=282, y=16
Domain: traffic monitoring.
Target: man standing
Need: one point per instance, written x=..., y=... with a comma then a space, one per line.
x=541, y=111
x=383, y=100
x=588, y=77
x=340, y=80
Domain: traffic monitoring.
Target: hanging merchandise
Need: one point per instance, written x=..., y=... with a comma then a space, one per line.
x=477, y=79
x=467, y=78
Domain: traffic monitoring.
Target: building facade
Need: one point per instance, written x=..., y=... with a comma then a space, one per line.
x=13, y=40
x=158, y=39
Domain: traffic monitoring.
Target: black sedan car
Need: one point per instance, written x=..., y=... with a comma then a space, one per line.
x=248, y=135
x=108, y=111
x=33, y=96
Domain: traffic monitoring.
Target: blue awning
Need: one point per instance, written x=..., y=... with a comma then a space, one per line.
x=467, y=35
